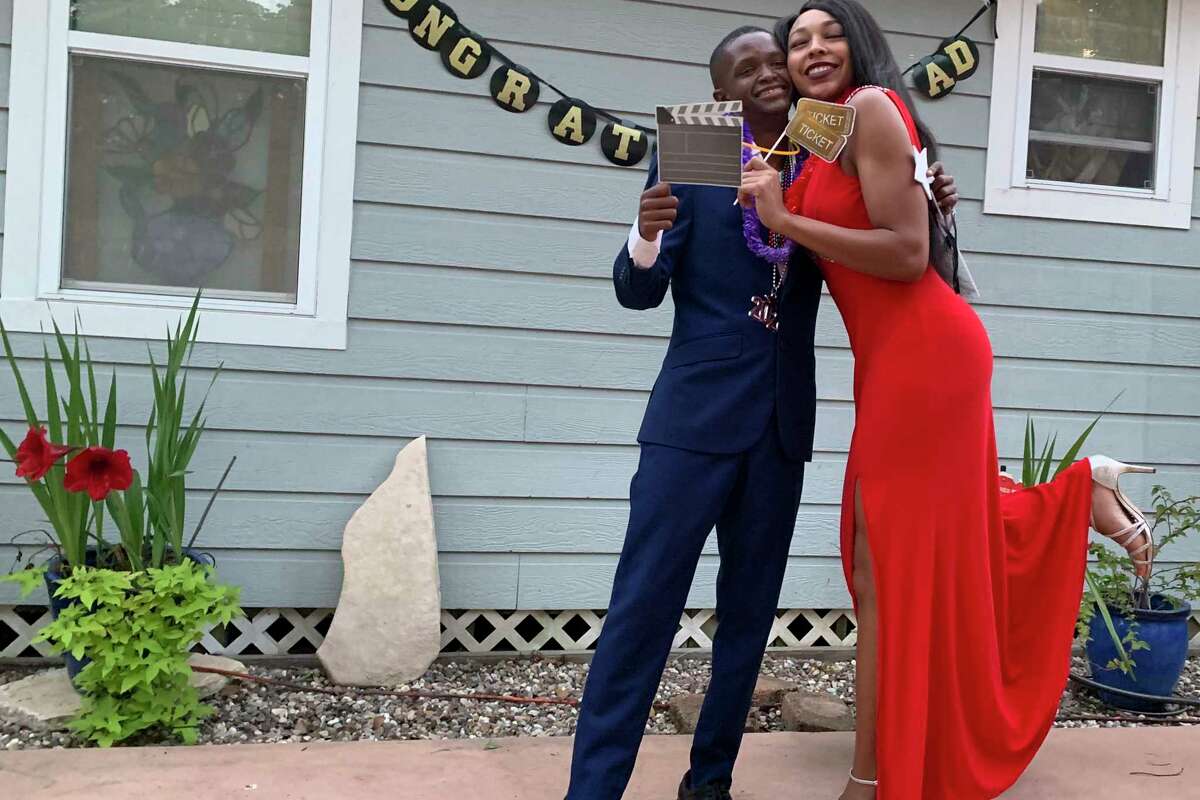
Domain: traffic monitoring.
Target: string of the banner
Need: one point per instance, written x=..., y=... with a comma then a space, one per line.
x=600, y=112
x=608, y=115
x=987, y=4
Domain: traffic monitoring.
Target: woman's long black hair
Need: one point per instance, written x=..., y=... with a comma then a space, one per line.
x=873, y=64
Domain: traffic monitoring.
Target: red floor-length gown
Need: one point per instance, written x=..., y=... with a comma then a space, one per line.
x=978, y=592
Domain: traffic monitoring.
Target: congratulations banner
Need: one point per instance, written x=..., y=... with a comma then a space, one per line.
x=467, y=55
x=572, y=121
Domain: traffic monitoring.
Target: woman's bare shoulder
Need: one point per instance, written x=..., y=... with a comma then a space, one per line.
x=879, y=130
x=872, y=103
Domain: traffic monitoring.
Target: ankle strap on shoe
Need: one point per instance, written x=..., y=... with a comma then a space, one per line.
x=861, y=782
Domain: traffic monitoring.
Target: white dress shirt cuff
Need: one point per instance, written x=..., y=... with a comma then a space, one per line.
x=644, y=253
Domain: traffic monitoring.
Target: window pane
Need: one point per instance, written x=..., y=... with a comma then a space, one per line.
x=1101, y=131
x=271, y=26
x=1132, y=31
x=180, y=178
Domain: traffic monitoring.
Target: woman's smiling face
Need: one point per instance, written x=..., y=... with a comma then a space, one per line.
x=819, y=56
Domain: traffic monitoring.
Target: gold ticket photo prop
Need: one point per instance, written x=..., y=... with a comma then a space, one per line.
x=821, y=128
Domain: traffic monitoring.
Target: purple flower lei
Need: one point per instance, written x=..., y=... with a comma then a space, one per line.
x=752, y=227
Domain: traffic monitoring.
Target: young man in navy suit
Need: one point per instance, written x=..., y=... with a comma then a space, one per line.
x=726, y=435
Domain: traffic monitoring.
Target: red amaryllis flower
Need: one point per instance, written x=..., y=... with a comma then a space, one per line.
x=98, y=471
x=37, y=455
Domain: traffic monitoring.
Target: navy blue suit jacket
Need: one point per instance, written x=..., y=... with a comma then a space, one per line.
x=725, y=375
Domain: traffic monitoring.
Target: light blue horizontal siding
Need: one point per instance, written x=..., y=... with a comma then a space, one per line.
x=458, y=468
x=586, y=193
x=491, y=580
x=286, y=404
x=6, y=10
x=574, y=360
x=487, y=580
x=482, y=316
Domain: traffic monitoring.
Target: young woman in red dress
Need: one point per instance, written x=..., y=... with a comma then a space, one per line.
x=966, y=598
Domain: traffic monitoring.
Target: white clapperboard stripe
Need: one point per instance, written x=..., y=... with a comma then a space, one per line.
x=708, y=114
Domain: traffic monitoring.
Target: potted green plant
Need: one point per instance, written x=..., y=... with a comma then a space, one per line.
x=1135, y=633
x=1151, y=621
x=127, y=608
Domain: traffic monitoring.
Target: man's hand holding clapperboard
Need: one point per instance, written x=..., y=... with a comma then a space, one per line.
x=698, y=143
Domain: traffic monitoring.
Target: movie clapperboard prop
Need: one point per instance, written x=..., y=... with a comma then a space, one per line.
x=700, y=143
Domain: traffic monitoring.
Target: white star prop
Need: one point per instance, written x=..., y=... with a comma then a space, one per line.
x=921, y=173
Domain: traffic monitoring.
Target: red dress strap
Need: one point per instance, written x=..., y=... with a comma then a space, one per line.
x=850, y=93
x=913, y=136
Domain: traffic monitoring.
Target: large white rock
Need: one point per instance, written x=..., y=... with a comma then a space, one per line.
x=47, y=701
x=387, y=626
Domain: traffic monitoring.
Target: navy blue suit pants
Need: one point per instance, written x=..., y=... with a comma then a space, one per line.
x=676, y=498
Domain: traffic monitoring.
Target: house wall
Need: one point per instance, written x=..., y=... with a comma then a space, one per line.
x=482, y=316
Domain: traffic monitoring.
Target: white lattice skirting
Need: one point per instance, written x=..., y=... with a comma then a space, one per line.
x=293, y=631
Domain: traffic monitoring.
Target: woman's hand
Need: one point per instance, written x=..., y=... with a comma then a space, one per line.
x=945, y=189
x=761, y=189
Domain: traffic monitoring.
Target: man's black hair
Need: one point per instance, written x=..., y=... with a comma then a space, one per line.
x=722, y=48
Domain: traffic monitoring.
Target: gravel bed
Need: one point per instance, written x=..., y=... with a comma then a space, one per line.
x=257, y=713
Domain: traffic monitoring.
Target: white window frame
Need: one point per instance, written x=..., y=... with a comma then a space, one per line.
x=30, y=293
x=1008, y=191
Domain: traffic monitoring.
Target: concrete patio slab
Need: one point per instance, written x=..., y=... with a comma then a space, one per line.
x=1104, y=764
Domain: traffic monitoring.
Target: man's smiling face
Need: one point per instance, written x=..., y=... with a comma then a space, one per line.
x=753, y=69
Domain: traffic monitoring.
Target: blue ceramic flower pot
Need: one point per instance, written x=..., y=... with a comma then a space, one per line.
x=54, y=577
x=1163, y=626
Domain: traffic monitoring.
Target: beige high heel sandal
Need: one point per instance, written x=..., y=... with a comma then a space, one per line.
x=1107, y=472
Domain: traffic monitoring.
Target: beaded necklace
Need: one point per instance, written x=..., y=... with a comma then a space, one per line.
x=776, y=250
